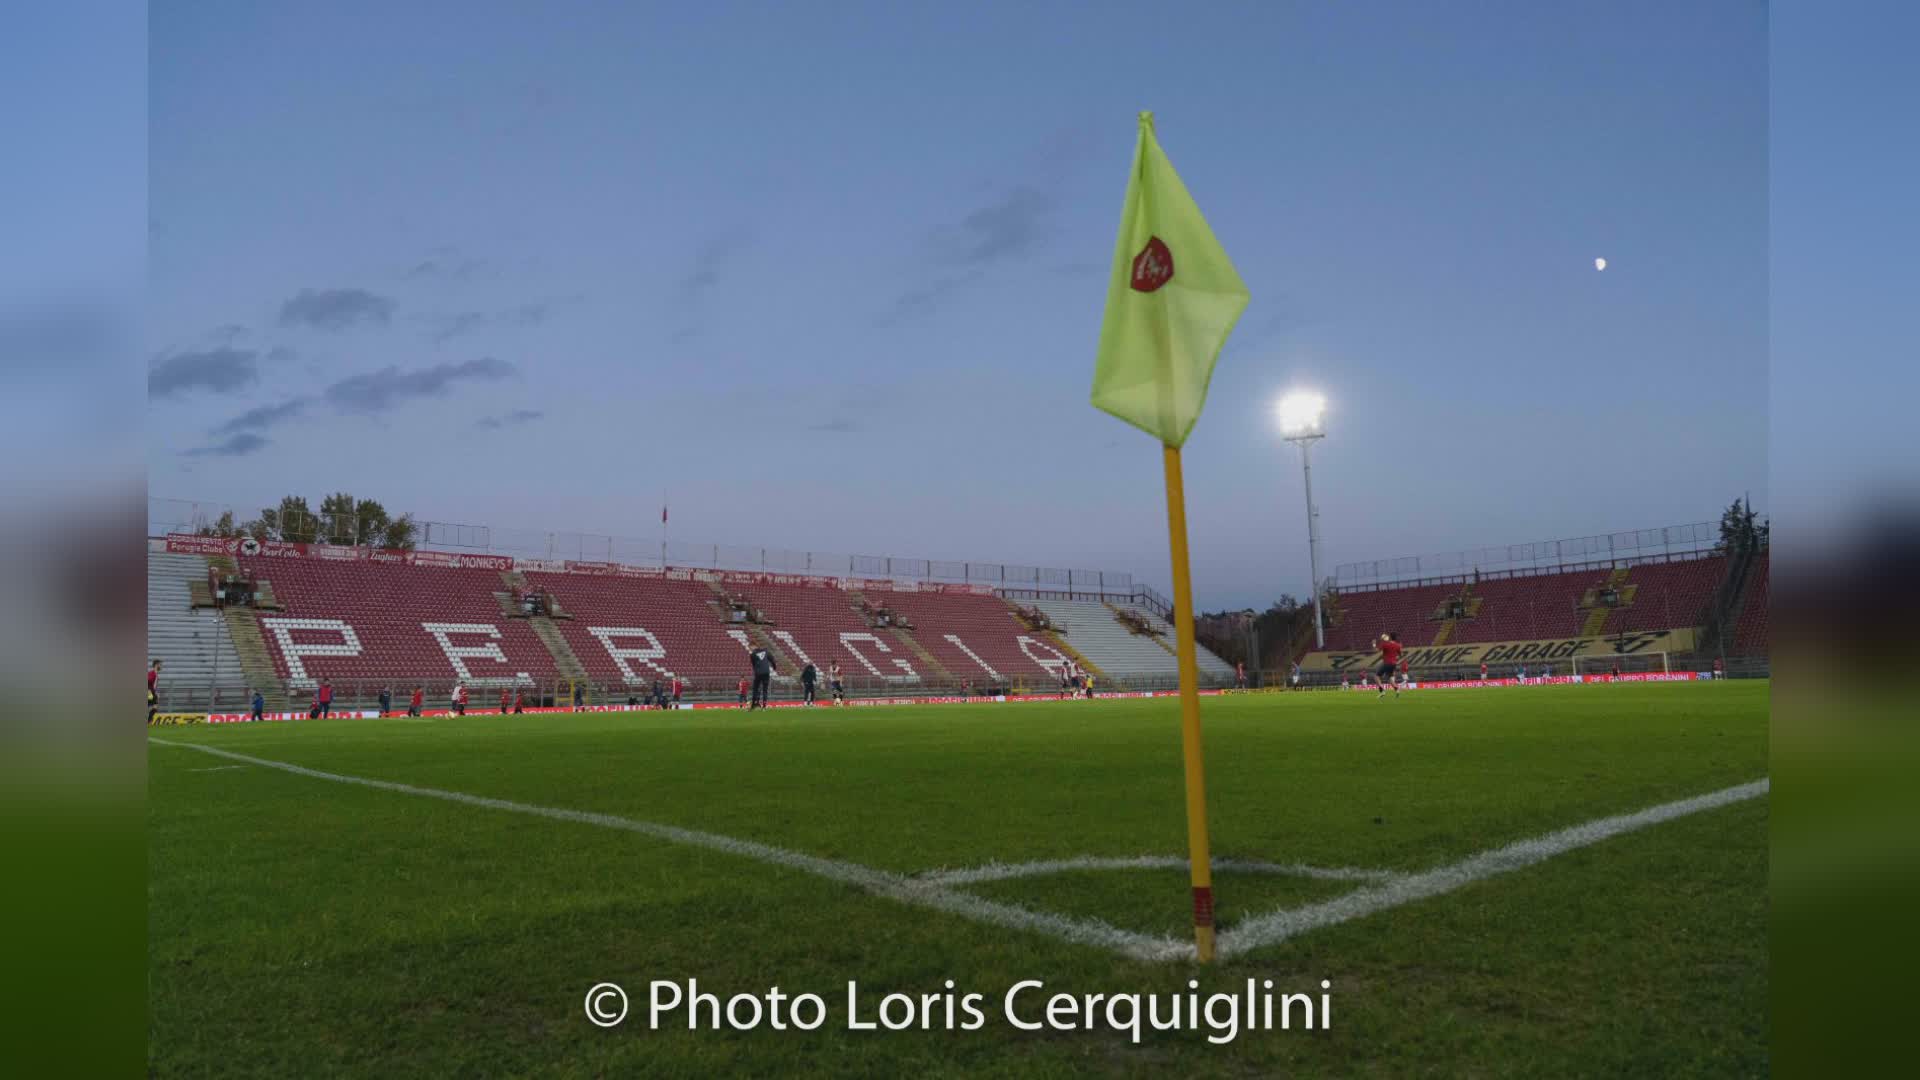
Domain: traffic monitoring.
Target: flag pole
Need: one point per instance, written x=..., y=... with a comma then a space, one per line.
x=1199, y=860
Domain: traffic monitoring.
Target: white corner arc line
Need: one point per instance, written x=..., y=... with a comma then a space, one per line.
x=879, y=882
x=931, y=891
x=996, y=871
x=1281, y=925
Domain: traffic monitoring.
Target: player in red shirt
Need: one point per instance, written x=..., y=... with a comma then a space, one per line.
x=1483, y=671
x=413, y=706
x=153, y=690
x=1389, y=646
x=743, y=691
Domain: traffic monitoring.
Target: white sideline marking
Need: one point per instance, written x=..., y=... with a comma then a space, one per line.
x=879, y=882
x=1281, y=925
x=932, y=890
x=1003, y=871
x=217, y=768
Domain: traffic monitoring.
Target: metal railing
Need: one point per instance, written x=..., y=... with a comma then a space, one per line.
x=1543, y=557
x=187, y=516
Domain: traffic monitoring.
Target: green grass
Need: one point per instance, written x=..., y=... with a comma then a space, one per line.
x=305, y=927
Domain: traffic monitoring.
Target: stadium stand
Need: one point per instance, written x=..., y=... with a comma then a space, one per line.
x=373, y=623
x=199, y=664
x=1750, y=636
x=1094, y=629
x=812, y=622
x=630, y=631
x=975, y=637
x=1653, y=595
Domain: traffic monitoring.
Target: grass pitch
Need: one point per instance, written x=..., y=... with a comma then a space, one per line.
x=306, y=926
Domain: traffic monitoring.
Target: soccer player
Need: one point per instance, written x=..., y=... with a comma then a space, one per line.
x=1389, y=646
x=763, y=671
x=519, y=702
x=413, y=704
x=153, y=690
x=1403, y=674
x=744, y=682
x=506, y=701
x=325, y=699
x=807, y=678
x=834, y=684
x=459, y=699
x=679, y=685
x=1240, y=675
x=1521, y=675
x=259, y=706
x=1483, y=671
x=386, y=701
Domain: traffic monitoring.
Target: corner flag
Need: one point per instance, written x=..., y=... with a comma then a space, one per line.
x=1172, y=299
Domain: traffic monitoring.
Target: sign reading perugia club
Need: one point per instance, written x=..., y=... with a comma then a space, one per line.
x=1153, y=267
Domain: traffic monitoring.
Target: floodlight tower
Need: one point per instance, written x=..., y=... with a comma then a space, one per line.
x=1302, y=423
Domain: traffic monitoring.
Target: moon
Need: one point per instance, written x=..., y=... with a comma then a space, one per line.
x=1599, y=264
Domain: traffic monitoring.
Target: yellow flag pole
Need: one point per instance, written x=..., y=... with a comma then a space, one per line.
x=1190, y=749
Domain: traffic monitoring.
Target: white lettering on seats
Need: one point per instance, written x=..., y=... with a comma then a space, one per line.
x=649, y=655
x=747, y=644
x=458, y=655
x=295, y=652
x=971, y=655
x=846, y=642
x=1054, y=665
x=793, y=647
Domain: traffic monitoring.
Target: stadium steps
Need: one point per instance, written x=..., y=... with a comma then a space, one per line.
x=190, y=639
x=507, y=610
x=199, y=593
x=931, y=669
x=569, y=665
x=251, y=645
x=1596, y=623
x=1157, y=639
x=929, y=666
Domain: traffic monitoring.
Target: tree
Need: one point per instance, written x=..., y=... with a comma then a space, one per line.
x=342, y=520
x=1742, y=531
x=224, y=527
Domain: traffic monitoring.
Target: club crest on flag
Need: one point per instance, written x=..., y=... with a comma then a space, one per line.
x=1153, y=267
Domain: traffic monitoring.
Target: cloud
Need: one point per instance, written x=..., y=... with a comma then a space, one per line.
x=1010, y=226
x=925, y=298
x=238, y=446
x=265, y=416
x=837, y=426
x=524, y=315
x=335, y=309
x=381, y=390
x=222, y=370
x=701, y=278
x=447, y=263
x=517, y=416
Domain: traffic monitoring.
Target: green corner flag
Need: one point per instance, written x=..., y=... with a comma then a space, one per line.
x=1172, y=299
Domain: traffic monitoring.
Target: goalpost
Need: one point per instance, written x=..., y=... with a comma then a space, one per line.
x=1629, y=663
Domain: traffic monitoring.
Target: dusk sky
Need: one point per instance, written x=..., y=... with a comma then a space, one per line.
x=830, y=276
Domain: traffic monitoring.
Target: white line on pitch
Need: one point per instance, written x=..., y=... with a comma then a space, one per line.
x=1003, y=871
x=217, y=768
x=879, y=882
x=1280, y=925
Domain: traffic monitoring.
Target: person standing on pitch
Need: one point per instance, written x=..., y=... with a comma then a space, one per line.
x=763, y=670
x=808, y=676
x=834, y=684
x=1389, y=646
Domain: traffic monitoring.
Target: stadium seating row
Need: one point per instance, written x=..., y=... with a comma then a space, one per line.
x=1653, y=596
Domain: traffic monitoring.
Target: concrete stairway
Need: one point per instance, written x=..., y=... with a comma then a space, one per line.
x=194, y=645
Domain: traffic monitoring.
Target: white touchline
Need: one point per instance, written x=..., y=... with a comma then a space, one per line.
x=217, y=768
x=933, y=889
x=1281, y=925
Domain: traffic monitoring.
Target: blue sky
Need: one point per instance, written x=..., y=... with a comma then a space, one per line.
x=831, y=278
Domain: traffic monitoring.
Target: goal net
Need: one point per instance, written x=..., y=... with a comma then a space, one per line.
x=1624, y=663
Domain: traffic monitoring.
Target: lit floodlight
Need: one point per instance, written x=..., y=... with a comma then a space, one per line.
x=1301, y=414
